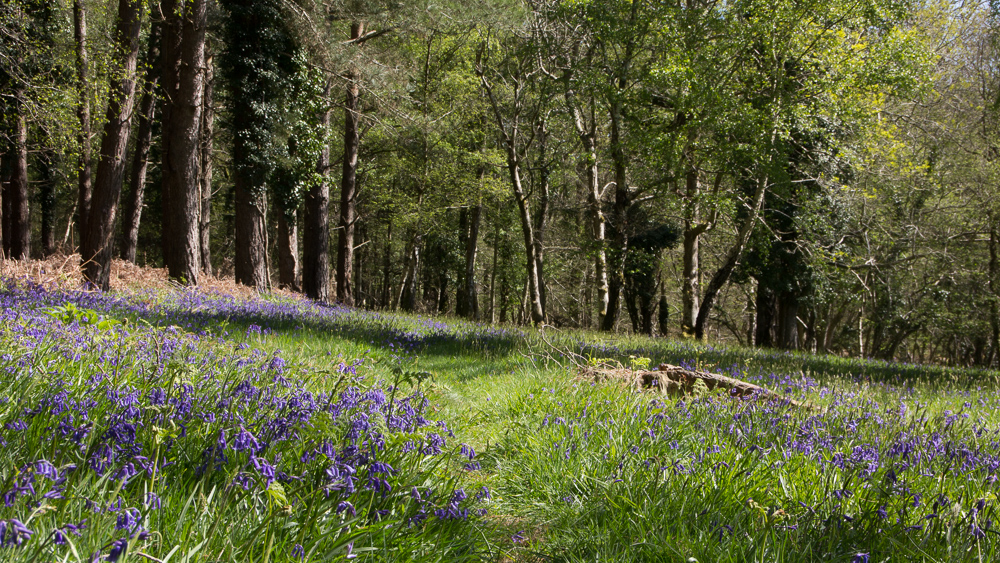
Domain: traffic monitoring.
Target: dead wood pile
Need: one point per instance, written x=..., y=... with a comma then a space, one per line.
x=677, y=381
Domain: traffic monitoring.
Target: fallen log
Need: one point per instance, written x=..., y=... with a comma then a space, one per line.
x=677, y=381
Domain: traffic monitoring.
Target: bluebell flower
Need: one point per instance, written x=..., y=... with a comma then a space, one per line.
x=118, y=548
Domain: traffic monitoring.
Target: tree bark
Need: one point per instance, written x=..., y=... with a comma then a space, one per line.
x=765, y=317
x=5, y=173
x=510, y=130
x=98, y=241
x=541, y=211
x=620, y=227
x=408, y=287
x=994, y=281
x=471, y=250
x=348, y=185
x=206, y=139
x=288, y=250
x=140, y=157
x=17, y=239
x=493, y=274
x=691, y=281
x=533, y=287
x=694, y=227
x=183, y=81
x=663, y=315
x=588, y=138
x=250, y=264
x=721, y=276
x=84, y=187
x=789, y=321
x=385, y=299
x=316, y=230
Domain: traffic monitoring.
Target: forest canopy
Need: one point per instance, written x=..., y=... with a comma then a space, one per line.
x=813, y=175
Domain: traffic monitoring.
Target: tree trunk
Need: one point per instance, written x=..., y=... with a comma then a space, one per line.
x=691, y=282
x=493, y=273
x=588, y=139
x=250, y=264
x=721, y=276
x=542, y=212
x=631, y=305
x=5, y=173
x=620, y=217
x=184, y=89
x=408, y=287
x=84, y=187
x=98, y=241
x=647, y=306
x=17, y=239
x=471, y=250
x=288, y=250
x=789, y=321
x=765, y=317
x=140, y=157
x=461, y=303
x=47, y=200
x=316, y=231
x=994, y=278
x=206, y=138
x=533, y=286
x=693, y=229
x=348, y=186
x=386, y=293
x=663, y=315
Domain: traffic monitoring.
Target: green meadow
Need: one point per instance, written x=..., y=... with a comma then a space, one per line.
x=180, y=426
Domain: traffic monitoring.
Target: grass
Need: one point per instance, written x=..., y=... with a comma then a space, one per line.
x=183, y=426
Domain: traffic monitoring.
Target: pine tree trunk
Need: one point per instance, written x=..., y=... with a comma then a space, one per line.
x=98, y=241
x=250, y=264
x=84, y=187
x=17, y=240
x=184, y=89
x=134, y=202
x=288, y=250
x=206, y=138
x=316, y=230
x=348, y=186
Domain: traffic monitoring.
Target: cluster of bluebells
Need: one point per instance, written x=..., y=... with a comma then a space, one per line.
x=201, y=312
x=114, y=422
x=857, y=464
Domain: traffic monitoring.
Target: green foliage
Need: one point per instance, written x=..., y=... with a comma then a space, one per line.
x=70, y=313
x=256, y=64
